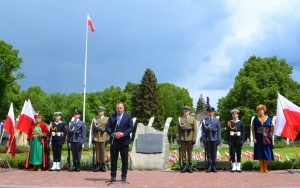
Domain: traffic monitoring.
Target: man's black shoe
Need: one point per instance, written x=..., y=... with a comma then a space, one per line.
x=209, y=169
x=123, y=179
x=112, y=179
x=78, y=170
x=73, y=169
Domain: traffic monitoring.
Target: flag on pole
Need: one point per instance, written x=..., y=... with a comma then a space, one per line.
x=10, y=128
x=26, y=118
x=287, y=118
x=90, y=23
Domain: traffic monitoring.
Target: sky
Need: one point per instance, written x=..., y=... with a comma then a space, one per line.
x=196, y=45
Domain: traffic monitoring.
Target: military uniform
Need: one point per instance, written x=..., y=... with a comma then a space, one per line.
x=76, y=137
x=235, y=134
x=211, y=137
x=57, y=138
x=100, y=137
x=186, y=134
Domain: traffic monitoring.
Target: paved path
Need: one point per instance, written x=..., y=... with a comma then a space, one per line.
x=145, y=179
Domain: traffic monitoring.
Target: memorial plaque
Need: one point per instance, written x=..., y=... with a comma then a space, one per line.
x=149, y=143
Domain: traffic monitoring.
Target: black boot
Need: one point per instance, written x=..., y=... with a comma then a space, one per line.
x=102, y=167
x=183, y=168
x=74, y=168
x=96, y=167
x=78, y=167
x=209, y=168
x=190, y=168
x=214, y=169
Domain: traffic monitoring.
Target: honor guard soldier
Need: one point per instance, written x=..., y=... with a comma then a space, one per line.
x=100, y=137
x=211, y=136
x=77, y=134
x=186, y=134
x=235, y=134
x=57, y=139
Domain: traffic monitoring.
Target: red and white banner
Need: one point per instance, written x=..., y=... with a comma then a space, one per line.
x=90, y=23
x=10, y=129
x=287, y=118
x=26, y=118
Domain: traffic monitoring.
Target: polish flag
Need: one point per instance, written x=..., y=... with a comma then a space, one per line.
x=287, y=118
x=26, y=118
x=10, y=129
x=90, y=23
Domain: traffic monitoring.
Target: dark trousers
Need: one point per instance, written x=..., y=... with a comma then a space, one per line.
x=115, y=149
x=211, y=149
x=235, y=148
x=76, y=149
x=56, y=150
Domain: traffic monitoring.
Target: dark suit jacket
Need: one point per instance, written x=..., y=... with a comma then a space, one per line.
x=126, y=127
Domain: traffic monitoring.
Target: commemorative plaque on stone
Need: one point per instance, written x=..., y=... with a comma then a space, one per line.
x=149, y=143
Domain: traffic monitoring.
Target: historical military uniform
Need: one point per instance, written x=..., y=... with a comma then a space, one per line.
x=211, y=137
x=76, y=137
x=186, y=134
x=235, y=135
x=57, y=138
x=100, y=137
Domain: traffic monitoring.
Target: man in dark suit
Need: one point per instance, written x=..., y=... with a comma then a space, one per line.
x=119, y=126
x=76, y=137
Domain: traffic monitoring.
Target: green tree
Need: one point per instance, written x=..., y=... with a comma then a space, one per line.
x=200, y=104
x=258, y=83
x=10, y=63
x=147, y=101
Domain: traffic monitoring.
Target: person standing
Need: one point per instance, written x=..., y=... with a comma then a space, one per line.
x=186, y=134
x=77, y=134
x=211, y=136
x=37, y=157
x=235, y=135
x=119, y=126
x=57, y=139
x=262, y=131
x=100, y=137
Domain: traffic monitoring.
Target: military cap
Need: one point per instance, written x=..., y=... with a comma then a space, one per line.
x=57, y=113
x=186, y=108
x=38, y=115
x=76, y=111
x=101, y=108
x=210, y=109
x=235, y=111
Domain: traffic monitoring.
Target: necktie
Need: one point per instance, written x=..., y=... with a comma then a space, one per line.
x=118, y=120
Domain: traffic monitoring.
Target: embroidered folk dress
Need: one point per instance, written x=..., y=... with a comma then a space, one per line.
x=36, y=149
x=263, y=148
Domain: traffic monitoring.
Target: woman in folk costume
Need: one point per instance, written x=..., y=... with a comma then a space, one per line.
x=262, y=130
x=37, y=157
x=235, y=134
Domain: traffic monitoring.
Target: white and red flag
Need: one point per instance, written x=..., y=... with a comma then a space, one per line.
x=26, y=118
x=10, y=129
x=90, y=23
x=287, y=118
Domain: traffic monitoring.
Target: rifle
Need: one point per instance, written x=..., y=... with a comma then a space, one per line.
x=68, y=146
x=48, y=147
x=179, y=147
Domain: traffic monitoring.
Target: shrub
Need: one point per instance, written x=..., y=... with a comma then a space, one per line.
x=248, y=165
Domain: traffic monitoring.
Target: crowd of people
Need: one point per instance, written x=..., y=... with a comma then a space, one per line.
x=116, y=129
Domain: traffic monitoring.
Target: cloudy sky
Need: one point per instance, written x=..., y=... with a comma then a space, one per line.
x=198, y=45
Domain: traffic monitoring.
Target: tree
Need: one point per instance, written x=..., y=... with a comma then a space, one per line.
x=147, y=101
x=200, y=104
x=258, y=83
x=10, y=63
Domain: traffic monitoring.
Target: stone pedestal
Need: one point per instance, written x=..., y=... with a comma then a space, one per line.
x=149, y=161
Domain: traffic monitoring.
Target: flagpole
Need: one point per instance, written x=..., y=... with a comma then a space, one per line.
x=85, y=65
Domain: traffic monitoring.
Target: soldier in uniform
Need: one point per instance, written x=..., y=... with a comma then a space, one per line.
x=235, y=134
x=57, y=139
x=77, y=134
x=186, y=134
x=211, y=137
x=100, y=137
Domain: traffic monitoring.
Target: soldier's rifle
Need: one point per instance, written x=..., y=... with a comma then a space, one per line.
x=68, y=146
x=92, y=128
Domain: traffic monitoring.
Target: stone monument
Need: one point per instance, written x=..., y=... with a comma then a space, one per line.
x=150, y=149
